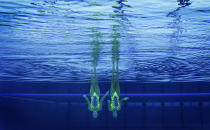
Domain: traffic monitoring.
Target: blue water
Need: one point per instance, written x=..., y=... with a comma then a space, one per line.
x=49, y=47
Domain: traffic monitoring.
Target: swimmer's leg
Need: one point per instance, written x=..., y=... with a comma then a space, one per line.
x=112, y=89
x=117, y=79
x=96, y=87
x=92, y=88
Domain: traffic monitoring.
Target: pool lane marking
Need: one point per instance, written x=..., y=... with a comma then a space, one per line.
x=123, y=94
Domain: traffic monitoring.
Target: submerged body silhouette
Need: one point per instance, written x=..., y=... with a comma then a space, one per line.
x=114, y=104
x=95, y=103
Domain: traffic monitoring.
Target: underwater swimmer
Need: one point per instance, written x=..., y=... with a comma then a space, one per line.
x=95, y=104
x=115, y=104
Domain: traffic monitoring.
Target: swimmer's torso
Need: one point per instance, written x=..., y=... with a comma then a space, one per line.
x=115, y=103
x=95, y=103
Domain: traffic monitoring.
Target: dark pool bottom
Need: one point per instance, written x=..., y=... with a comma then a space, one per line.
x=152, y=106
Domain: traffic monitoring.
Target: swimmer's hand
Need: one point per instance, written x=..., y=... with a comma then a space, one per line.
x=124, y=99
x=86, y=98
x=102, y=99
x=106, y=93
x=109, y=106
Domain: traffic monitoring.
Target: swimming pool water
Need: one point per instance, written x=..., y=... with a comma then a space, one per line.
x=53, y=51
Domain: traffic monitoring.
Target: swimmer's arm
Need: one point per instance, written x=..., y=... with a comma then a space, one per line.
x=102, y=99
x=124, y=99
x=87, y=100
x=109, y=106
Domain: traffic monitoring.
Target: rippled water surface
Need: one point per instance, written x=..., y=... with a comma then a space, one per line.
x=159, y=40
